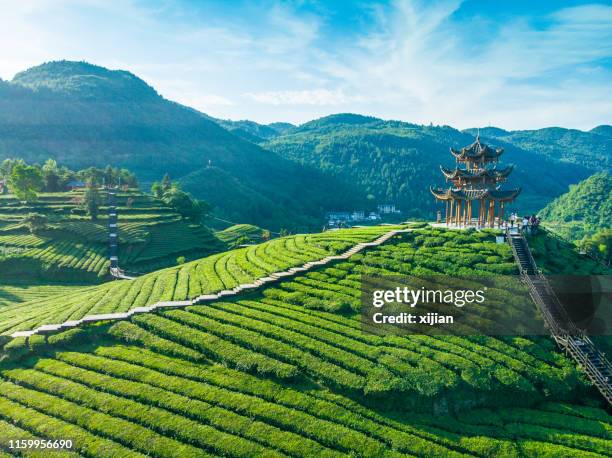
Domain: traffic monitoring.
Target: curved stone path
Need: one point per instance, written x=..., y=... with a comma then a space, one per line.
x=273, y=277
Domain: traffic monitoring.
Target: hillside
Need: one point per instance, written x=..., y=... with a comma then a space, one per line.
x=582, y=211
x=252, y=131
x=241, y=234
x=84, y=115
x=288, y=371
x=592, y=149
x=396, y=162
x=210, y=274
x=74, y=249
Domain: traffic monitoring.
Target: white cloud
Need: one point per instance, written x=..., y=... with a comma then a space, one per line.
x=412, y=60
x=423, y=66
x=321, y=97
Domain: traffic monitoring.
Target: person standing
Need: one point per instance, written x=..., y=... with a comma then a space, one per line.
x=525, y=224
x=536, y=225
x=532, y=223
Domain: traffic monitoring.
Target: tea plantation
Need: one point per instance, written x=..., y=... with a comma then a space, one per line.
x=210, y=274
x=240, y=234
x=288, y=371
x=73, y=248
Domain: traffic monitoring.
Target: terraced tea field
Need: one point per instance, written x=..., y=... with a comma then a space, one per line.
x=288, y=371
x=21, y=292
x=74, y=248
x=240, y=233
x=214, y=273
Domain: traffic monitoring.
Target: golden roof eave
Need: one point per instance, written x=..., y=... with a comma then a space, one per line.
x=497, y=195
x=476, y=152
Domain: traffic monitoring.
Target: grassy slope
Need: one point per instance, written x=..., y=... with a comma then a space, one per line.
x=289, y=372
x=240, y=233
x=557, y=256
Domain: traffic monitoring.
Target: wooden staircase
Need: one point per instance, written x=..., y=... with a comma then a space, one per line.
x=572, y=340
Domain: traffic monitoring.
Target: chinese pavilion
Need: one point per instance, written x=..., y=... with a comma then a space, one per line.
x=475, y=196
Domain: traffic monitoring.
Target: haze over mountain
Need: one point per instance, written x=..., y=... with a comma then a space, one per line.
x=275, y=175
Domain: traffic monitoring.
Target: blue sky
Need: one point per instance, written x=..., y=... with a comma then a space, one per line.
x=513, y=64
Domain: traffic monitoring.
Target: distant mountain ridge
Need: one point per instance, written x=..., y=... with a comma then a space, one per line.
x=397, y=161
x=276, y=175
x=252, y=131
x=83, y=80
x=592, y=149
x=82, y=115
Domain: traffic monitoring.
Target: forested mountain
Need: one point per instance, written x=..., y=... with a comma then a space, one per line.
x=397, y=162
x=82, y=115
x=592, y=149
x=585, y=209
x=276, y=175
x=252, y=131
x=603, y=130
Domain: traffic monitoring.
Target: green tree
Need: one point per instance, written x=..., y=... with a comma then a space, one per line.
x=166, y=184
x=92, y=201
x=109, y=176
x=51, y=177
x=65, y=175
x=199, y=210
x=25, y=181
x=128, y=178
x=35, y=222
x=7, y=165
x=156, y=190
x=91, y=175
x=192, y=209
x=599, y=245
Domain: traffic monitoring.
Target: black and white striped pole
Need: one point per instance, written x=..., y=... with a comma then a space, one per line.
x=112, y=229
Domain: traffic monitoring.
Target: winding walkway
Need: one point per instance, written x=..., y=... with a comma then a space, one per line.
x=273, y=277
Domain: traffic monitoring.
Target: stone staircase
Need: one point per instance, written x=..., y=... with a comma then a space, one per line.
x=573, y=341
x=270, y=278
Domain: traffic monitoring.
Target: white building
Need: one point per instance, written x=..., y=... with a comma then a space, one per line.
x=386, y=209
x=358, y=215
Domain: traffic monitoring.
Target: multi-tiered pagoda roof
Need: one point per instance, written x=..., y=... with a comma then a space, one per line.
x=475, y=185
x=497, y=195
x=477, y=153
x=476, y=176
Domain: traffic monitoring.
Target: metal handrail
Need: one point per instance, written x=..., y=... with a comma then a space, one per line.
x=582, y=353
